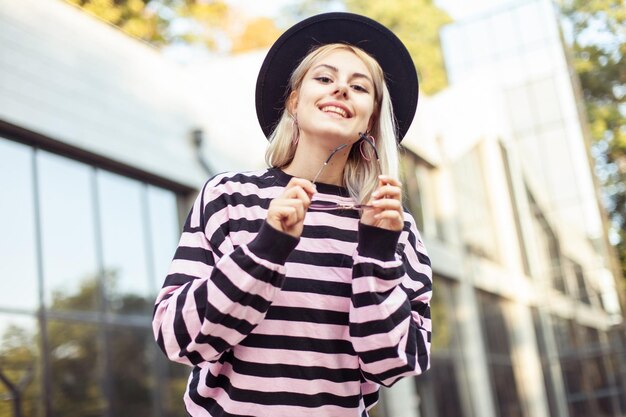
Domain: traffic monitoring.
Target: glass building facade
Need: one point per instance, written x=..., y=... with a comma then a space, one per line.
x=84, y=252
x=541, y=341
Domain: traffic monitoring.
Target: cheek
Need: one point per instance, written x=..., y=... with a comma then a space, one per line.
x=367, y=109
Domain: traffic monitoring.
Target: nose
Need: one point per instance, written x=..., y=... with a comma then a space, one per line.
x=342, y=89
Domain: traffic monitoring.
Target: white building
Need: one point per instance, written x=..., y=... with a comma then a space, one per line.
x=98, y=162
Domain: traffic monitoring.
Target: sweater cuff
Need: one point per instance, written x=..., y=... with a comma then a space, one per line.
x=273, y=245
x=375, y=242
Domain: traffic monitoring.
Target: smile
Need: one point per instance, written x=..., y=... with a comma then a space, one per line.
x=337, y=110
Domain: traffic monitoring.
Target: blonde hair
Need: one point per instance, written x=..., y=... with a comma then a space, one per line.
x=360, y=176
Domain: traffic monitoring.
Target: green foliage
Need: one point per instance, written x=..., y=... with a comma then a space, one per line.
x=85, y=356
x=197, y=22
x=599, y=50
x=19, y=372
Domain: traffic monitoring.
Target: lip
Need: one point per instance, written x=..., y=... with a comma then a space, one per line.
x=337, y=104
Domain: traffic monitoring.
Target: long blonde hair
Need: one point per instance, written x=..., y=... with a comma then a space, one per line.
x=360, y=176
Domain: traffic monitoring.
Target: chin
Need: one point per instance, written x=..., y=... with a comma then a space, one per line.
x=338, y=136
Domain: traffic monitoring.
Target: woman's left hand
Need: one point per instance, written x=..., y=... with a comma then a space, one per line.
x=387, y=210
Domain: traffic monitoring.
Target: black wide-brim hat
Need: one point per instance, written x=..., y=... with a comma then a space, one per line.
x=353, y=29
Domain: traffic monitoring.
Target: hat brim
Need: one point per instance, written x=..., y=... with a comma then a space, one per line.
x=363, y=32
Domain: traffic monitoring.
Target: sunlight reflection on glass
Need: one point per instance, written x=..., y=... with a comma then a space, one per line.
x=17, y=225
x=123, y=222
x=68, y=235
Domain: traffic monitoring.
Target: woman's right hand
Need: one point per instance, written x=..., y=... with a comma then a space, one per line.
x=286, y=213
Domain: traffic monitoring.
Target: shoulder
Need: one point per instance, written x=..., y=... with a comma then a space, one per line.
x=237, y=178
x=237, y=182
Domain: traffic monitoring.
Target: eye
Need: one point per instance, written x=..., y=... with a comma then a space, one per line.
x=360, y=88
x=323, y=79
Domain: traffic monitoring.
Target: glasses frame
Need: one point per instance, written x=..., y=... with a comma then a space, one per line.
x=345, y=206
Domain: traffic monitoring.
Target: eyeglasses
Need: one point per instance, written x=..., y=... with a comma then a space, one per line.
x=331, y=205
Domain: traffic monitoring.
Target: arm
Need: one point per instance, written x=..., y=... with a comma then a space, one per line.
x=390, y=323
x=213, y=295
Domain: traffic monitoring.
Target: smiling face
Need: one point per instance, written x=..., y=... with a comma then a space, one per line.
x=335, y=100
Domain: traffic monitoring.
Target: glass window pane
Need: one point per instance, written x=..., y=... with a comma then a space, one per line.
x=476, y=221
x=542, y=59
x=499, y=357
x=174, y=388
x=479, y=37
x=545, y=98
x=520, y=109
x=123, y=224
x=446, y=387
x=164, y=231
x=20, y=365
x=529, y=17
x=67, y=232
x=455, y=53
x=75, y=361
x=17, y=222
x=506, y=36
x=132, y=374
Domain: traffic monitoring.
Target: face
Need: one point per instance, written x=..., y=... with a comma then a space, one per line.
x=335, y=100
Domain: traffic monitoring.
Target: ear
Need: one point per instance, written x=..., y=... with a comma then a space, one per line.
x=292, y=102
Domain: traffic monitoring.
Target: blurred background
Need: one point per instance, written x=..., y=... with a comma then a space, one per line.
x=114, y=112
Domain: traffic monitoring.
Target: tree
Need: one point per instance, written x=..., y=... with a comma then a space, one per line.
x=258, y=33
x=599, y=51
x=210, y=23
x=82, y=354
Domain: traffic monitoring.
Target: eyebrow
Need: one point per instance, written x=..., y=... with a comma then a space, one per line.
x=355, y=75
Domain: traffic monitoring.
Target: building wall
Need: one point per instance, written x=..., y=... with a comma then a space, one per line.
x=79, y=81
x=517, y=209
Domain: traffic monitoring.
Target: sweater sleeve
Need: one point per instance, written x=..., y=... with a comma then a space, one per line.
x=214, y=293
x=390, y=323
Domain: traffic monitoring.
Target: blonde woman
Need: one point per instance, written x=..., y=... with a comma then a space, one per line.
x=300, y=289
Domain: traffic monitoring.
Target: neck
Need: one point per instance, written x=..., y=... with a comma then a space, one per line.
x=310, y=158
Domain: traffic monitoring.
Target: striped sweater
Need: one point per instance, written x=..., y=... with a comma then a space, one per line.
x=284, y=327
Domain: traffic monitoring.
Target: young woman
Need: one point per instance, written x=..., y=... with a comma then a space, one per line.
x=298, y=290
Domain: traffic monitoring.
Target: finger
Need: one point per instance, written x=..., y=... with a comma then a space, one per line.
x=303, y=196
x=387, y=179
x=285, y=215
x=387, y=204
x=298, y=192
x=298, y=205
x=388, y=191
x=306, y=185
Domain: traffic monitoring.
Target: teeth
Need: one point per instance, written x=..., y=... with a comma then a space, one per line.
x=335, y=109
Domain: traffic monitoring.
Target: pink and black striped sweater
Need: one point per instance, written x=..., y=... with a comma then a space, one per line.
x=284, y=327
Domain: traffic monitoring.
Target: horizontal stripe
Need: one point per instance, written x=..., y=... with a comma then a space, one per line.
x=306, y=373
x=194, y=254
x=299, y=399
x=320, y=259
x=278, y=356
x=299, y=343
x=307, y=315
x=315, y=286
